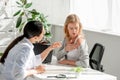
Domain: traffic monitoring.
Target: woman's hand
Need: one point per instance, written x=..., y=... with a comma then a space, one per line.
x=40, y=69
x=45, y=53
x=63, y=62
x=71, y=45
x=67, y=62
x=55, y=45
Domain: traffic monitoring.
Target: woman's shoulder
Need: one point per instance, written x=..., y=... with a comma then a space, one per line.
x=80, y=39
x=21, y=51
x=20, y=48
x=25, y=44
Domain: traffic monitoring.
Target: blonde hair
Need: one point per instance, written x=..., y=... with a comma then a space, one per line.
x=72, y=18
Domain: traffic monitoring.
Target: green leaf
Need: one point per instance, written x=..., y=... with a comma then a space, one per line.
x=48, y=24
x=48, y=35
x=24, y=1
x=29, y=19
x=18, y=12
x=18, y=3
x=1, y=53
x=42, y=17
x=77, y=69
x=34, y=12
x=33, y=16
x=19, y=20
x=28, y=5
x=21, y=26
x=22, y=14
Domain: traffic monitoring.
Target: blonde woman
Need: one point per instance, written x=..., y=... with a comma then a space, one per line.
x=74, y=50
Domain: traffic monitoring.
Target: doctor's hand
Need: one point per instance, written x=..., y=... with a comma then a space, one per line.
x=55, y=45
x=40, y=69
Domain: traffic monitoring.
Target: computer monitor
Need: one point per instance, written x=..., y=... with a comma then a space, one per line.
x=39, y=48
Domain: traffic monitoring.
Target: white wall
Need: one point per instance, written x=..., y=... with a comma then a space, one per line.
x=56, y=10
x=111, y=55
x=112, y=50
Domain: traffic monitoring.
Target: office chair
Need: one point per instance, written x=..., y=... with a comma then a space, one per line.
x=39, y=48
x=95, y=57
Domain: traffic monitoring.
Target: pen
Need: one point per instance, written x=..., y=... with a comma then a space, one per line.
x=58, y=76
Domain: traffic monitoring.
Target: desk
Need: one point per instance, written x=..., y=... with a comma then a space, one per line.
x=85, y=74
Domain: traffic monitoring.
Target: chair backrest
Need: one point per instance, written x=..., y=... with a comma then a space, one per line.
x=96, y=55
x=39, y=48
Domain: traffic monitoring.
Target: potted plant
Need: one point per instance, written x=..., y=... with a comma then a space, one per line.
x=25, y=14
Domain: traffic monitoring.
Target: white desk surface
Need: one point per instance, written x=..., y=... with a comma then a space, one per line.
x=85, y=74
x=54, y=69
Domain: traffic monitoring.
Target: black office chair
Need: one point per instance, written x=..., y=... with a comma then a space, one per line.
x=95, y=56
x=39, y=48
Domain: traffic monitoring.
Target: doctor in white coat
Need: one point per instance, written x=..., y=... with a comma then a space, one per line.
x=19, y=59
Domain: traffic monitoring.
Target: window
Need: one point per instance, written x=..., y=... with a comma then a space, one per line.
x=98, y=14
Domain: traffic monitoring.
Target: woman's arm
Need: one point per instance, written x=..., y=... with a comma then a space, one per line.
x=46, y=52
x=38, y=69
x=84, y=58
x=68, y=62
x=61, y=52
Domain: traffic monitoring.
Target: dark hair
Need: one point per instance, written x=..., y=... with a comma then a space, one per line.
x=31, y=29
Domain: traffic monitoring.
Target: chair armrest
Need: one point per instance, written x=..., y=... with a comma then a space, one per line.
x=98, y=65
x=101, y=68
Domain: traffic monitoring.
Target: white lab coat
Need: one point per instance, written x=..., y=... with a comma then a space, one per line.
x=20, y=59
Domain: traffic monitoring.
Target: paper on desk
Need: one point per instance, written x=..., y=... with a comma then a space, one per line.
x=46, y=75
x=53, y=70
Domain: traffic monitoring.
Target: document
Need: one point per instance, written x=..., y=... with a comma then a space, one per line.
x=55, y=72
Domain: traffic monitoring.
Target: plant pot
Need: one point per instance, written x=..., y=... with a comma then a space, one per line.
x=39, y=48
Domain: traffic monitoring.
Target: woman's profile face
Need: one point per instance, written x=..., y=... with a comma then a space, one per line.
x=73, y=29
x=41, y=35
